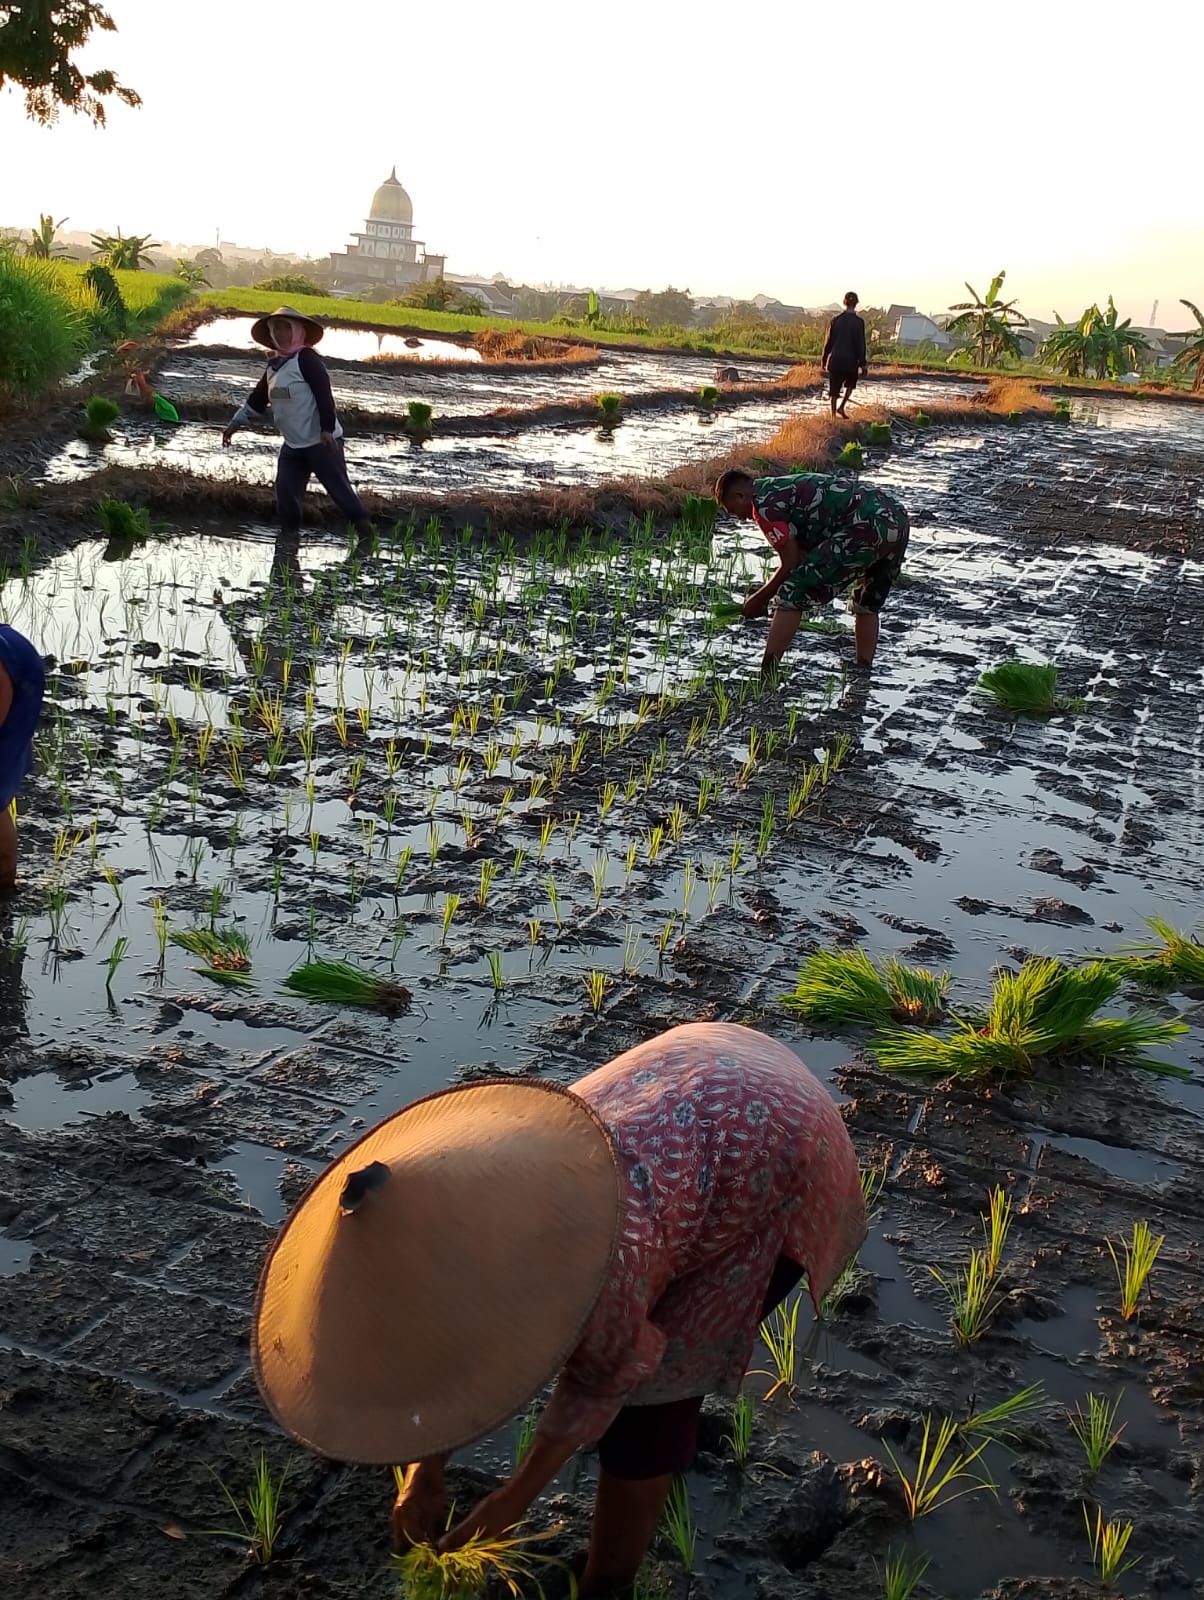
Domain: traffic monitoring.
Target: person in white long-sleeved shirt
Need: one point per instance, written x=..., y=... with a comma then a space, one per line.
x=295, y=388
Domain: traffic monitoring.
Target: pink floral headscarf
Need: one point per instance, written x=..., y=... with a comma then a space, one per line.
x=296, y=340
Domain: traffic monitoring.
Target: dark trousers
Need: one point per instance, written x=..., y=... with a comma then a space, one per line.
x=327, y=464
x=650, y=1441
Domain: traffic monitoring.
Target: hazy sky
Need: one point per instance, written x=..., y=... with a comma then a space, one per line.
x=764, y=147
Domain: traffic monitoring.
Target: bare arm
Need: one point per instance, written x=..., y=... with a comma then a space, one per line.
x=510, y=1504
x=789, y=557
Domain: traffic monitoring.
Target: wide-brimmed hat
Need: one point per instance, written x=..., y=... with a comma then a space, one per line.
x=437, y=1274
x=313, y=328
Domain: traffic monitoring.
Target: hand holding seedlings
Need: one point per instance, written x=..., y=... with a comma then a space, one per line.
x=365, y=1298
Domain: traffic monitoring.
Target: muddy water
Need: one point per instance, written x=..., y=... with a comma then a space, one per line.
x=159, y=1124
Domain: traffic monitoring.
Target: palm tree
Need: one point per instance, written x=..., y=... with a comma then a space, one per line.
x=1192, y=352
x=989, y=322
x=123, y=254
x=42, y=243
x=192, y=273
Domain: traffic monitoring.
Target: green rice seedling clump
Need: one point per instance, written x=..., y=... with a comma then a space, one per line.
x=902, y=1574
x=1045, y=1011
x=419, y=419
x=941, y=1476
x=506, y=1561
x=852, y=456
x=998, y=1423
x=837, y=987
x=610, y=407
x=342, y=984
x=973, y=1301
x=1140, y=1252
x=258, y=1515
x=122, y=523
x=1109, y=1544
x=226, y=953
x=1027, y=689
x=1096, y=1429
x=725, y=611
x=680, y=1525
x=99, y=411
x=879, y=433
x=708, y=396
x=1169, y=961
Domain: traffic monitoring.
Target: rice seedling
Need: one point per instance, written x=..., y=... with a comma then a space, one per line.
x=123, y=524
x=258, y=1515
x=116, y=957
x=996, y=1226
x=595, y=984
x=1096, y=1429
x=998, y=1423
x=852, y=456
x=489, y=871
x=504, y=1562
x=610, y=409
x=1027, y=689
x=496, y=975
x=972, y=1298
x=779, y=1332
x=725, y=611
x=451, y=904
x=1109, y=1544
x=844, y=986
x=708, y=396
x=680, y=1525
x=879, y=433
x=342, y=984
x=419, y=423
x=664, y=938
x=921, y=419
x=1140, y=1253
x=1045, y=1011
x=901, y=1575
x=738, y=1438
x=226, y=954
x=527, y=1425
x=940, y=1476
x=99, y=411
x=1171, y=960
x=553, y=901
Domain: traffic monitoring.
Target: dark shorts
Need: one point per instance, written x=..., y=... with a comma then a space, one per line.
x=25, y=667
x=864, y=557
x=651, y=1441
x=841, y=378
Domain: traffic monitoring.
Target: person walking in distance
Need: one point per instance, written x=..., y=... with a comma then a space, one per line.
x=844, y=354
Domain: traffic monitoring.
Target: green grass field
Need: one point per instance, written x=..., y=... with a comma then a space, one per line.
x=149, y=295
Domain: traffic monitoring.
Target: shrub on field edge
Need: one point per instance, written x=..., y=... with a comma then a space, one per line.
x=41, y=336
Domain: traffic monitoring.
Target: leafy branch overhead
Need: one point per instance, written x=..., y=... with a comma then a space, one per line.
x=37, y=42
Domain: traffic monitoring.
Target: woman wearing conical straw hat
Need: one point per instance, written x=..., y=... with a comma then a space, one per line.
x=625, y=1238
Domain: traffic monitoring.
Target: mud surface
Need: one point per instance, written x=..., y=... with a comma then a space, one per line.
x=319, y=753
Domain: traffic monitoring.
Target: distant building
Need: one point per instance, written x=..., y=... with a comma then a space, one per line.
x=905, y=326
x=386, y=254
x=497, y=296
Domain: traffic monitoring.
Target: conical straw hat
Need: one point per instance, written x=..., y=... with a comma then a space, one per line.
x=313, y=328
x=437, y=1275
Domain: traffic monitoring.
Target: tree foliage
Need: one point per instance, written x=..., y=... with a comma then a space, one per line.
x=1192, y=354
x=670, y=308
x=1098, y=345
x=439, y=295
x=42, y=244
x=291, y=283
x=987, y=323
x=37, y=41
x=123, y=254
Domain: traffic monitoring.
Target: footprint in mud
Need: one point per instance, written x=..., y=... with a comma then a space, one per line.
x=811, y=1518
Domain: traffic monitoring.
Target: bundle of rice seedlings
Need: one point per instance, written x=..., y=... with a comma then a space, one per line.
x=226, y=953
x=122, y=523
x=343, y=984
x=851, y=456
x=1027, y=689
x=419, y=423
x=879, y=433
x=428, y=1573
x=708, y=396
x=922, y=420
x=1015, y=418
x=844, y=986
x=1172, y=960
x=610, y=407
x=99, y=411
x=1061, y=410
x=1046, y=1011
x=727, y=611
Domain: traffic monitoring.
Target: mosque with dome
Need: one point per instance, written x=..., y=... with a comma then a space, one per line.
x=386, y=255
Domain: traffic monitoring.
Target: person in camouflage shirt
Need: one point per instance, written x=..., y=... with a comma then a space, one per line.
x=831, y=534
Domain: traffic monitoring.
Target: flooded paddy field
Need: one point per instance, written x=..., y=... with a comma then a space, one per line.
x=529, y=778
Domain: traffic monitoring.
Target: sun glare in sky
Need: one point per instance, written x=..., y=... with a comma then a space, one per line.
x=763, y=148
